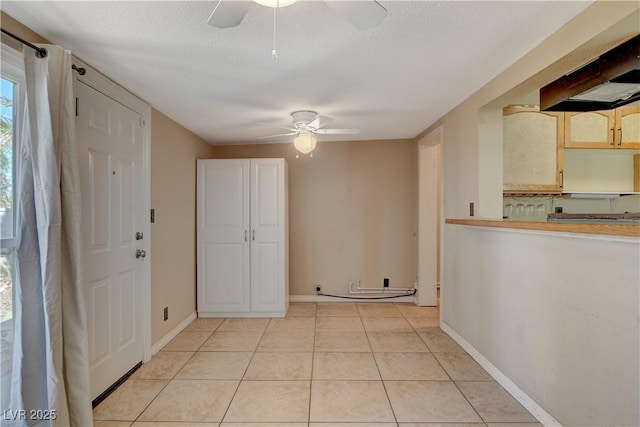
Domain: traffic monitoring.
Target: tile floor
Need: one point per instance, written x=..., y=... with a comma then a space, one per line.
x=325, y=365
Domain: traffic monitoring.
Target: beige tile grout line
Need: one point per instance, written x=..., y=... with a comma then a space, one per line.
x=174, y=375
x=437, y=361
x=255, y=350
x=313, y=359
x=312, y=362
x=445, y=371
x=384, y=386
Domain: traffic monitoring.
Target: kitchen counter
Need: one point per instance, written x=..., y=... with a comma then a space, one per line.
x=607, y=229
x=610, y=218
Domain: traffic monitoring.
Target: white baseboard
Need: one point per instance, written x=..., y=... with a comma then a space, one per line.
x=322, y=298
x=242, y=314
x=525, y=400
x=172, y=334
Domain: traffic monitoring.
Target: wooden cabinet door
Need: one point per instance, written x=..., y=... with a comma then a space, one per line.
x=223, y=237
x=532, y=150
x=628, y=127
x=589, y=129
x=268, y=235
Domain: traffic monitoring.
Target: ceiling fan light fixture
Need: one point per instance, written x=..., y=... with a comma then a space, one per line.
x=305, y=143
x=275, y=3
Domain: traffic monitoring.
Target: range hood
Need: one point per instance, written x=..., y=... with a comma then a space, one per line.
x=608, y=82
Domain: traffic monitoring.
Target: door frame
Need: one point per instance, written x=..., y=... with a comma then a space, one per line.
x=109, y=88
x=430, y=224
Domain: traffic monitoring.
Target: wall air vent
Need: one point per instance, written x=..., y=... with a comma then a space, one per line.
x=608, y=82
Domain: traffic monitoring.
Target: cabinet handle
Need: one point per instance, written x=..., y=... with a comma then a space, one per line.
x=245, y=235
x=613, y=137
x=561, y=179
x=254, y=235
x=620, y=134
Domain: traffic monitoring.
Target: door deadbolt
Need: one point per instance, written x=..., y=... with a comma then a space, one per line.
x=140, y=253
x=139, y=235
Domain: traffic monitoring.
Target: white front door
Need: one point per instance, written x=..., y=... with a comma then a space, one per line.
x=110, y=153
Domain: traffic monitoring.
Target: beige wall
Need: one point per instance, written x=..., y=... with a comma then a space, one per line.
x=352, y=212
x=15, y=27
x=527, y=301
x=174, y=151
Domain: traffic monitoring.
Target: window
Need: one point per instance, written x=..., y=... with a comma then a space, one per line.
x=7, y=133
x=11, y=101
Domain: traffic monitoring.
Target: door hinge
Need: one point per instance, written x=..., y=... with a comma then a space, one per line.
x=142, y=122
x=77, y=107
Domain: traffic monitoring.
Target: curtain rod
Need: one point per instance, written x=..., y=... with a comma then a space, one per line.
x=40, y=51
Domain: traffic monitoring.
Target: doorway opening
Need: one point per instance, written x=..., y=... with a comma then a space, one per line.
x=429, y=218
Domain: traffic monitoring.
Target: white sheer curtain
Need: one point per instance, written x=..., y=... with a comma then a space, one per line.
x=50, y=362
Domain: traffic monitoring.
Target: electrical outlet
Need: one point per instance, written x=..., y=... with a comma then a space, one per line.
x=166, y=313
x=385, y=282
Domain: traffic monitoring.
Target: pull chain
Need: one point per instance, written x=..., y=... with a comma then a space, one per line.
x=274, y=52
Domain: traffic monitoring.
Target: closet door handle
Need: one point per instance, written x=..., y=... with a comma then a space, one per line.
x=245, y=235
x=254, y=235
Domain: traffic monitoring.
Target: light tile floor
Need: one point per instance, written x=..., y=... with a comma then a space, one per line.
x=328, y=364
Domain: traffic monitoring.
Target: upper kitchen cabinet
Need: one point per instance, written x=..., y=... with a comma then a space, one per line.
x=532, y=150
x=628, y=127
x=589, y=129
x=619, y=128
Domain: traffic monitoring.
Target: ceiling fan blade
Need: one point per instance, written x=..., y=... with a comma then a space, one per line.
x=275, y=136
x=228, y=13
x=337, y=131
x=319, y=122
x=290, y=129
x=362, y=14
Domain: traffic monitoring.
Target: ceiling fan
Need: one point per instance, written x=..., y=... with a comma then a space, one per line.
x=307, y=124
x=362, y=14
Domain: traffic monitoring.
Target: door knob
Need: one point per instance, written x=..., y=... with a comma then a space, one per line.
x=140, y=253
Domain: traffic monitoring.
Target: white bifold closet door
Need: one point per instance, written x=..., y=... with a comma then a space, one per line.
x=267, y=235
x=223, y=236
x=242, y=250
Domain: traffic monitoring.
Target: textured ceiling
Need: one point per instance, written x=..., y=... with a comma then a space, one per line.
x=392, y=81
